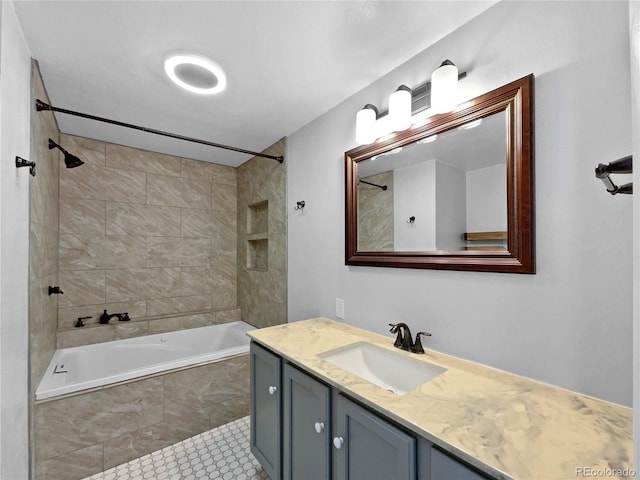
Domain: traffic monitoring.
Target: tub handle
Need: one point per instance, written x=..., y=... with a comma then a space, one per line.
x=273, y=390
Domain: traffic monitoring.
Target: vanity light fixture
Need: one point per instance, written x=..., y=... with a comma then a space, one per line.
x=196, y=74
x=444, y=88
x=366, y=124
x=400, y=108
x=440, y=95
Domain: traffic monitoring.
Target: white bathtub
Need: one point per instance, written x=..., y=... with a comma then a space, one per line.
x=90, y=366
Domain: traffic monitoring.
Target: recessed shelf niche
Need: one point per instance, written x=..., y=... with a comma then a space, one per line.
x=258, y=236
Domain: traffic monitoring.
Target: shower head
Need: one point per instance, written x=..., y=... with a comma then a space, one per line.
x=70, y=160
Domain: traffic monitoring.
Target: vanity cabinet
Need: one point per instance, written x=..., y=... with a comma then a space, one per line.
x=303, y=429
x=266, y=431
x=368, y=447
x=306, y=426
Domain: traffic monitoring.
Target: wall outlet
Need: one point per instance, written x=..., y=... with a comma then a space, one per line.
x=340, y=308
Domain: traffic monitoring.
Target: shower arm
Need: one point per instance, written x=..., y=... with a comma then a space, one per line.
x=40, y=105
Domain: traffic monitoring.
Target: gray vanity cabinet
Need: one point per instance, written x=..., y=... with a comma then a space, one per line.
x=265, y=409
x=366, y=447
x=306, y=426
x=302, y=429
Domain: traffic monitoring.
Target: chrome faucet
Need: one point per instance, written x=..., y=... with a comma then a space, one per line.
x=105, y=317
x=404, y=339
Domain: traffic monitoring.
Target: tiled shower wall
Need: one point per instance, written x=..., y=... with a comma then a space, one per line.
x=145, y=233
x=43, y=249
x=375, y=214
x=262, y=239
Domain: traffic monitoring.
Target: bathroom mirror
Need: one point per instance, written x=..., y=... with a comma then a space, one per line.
x=453, y=193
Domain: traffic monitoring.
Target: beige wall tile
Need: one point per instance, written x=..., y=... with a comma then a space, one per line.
x=195, y=398
x=224, y=231
x=172, y=324
x=67, y=317
x=103, y=333
x=90, y=151
x=44, y=186
x=144, y=220
x=42, y=332
x=81, y=288
x=82, y=216
x=92, y=252
x=124, y=285
x=75, y=465
x=127, y=158
x=226, y=316
x=224, y=300
x=43, y=251
x=197, y=223
x=178, y=251
x=163, y=306
x=197, y=280
x=224, y=197
x=178, y=192
x=68, y=424
x=101, y=183
x=210, y=171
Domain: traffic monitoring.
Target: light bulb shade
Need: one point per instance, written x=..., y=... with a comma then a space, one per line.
x=366, y=125
x=444, y=88
x=400, y=108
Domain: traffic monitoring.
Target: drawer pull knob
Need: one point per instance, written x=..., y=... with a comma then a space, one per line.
x=319, y=426
x=273, y=390
x=337, y=442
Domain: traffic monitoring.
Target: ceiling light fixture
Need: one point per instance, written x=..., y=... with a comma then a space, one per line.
x=196, y=74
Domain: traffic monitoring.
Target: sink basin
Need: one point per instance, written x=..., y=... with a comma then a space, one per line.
x=391, y=370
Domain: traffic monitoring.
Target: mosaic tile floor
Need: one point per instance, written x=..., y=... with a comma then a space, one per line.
x=221, y=454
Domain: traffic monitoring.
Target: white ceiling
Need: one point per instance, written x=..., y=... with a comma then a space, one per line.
x=286, y=63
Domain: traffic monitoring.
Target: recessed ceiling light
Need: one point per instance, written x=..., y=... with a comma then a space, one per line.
x=196, y=74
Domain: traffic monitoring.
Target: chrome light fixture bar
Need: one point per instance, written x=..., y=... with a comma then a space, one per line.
x=40, y=105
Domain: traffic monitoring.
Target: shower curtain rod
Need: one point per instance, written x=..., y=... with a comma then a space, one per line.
x=383, y=187
x=40, y=105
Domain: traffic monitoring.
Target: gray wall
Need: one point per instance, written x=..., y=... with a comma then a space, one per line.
x=15, y=67
x=634, y=37
x=570, y=324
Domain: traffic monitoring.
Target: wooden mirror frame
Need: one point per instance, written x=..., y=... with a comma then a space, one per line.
x=516, y=100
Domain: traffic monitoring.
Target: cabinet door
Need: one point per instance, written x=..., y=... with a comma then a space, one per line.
x=265, y=409
x=366, y=447
x=306, y=421
x=443, y=467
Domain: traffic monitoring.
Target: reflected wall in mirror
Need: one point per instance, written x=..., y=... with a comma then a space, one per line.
x=454, y=193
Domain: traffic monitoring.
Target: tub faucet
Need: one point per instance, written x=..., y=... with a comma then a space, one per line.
x=105, y=317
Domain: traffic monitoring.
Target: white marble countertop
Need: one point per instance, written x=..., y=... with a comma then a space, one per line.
x=506, y=425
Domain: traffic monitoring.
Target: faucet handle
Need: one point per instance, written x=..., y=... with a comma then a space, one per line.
x=417, y=346
x=124, y=317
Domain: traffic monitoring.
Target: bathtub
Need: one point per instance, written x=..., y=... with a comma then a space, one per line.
x=91, y=366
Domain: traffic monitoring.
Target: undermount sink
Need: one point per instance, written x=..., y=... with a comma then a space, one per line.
x=391, y=370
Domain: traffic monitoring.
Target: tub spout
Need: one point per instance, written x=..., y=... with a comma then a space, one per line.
x=105, y=317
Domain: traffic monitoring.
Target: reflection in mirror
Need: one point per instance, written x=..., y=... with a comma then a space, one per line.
x=454, y=184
